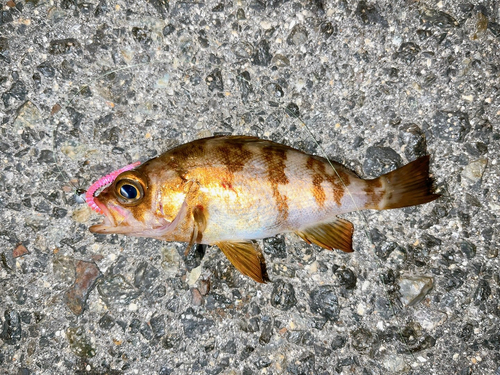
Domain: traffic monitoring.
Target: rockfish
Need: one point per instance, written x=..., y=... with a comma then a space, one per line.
x=228, y=191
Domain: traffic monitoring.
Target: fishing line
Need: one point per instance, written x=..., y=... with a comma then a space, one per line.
x=362, y=216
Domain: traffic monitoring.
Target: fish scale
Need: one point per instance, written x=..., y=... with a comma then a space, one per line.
x=227, y=191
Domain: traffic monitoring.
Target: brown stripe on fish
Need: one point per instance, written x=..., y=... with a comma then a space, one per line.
x=373, y=193
x=338, y=185
x=233, y=155
x=317, y=179
x=178, y=159
x=318, y=167
x=275, y=158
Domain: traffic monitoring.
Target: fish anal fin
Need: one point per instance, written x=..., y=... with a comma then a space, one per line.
x=334, y=235
x=246, y=258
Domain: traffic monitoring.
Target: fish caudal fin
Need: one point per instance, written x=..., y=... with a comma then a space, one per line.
x=246, y=258
x=409, y=185
x=334, y=235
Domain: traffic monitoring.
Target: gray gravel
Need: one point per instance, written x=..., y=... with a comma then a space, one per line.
x=88, y=87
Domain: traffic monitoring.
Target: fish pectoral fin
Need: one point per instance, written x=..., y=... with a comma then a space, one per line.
x=246, y=258
x=199, y=225
x=334, y=235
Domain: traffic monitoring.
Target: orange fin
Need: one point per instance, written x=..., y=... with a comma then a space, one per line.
x=408, y=186
x=247, y=259
x=334, y=235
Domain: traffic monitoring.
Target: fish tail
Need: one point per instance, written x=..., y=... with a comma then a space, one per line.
x=409, y=185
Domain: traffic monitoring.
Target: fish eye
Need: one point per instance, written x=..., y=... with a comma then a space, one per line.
x=129, y=191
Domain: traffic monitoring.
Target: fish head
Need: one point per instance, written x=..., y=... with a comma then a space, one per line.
x=126, y=205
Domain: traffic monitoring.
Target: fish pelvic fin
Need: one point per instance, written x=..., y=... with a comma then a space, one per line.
x=409, y=185
x=334, y=235
x=246, y=258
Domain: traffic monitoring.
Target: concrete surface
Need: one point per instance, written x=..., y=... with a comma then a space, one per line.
x=88, y=87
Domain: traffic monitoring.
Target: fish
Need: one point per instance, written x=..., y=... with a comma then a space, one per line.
x=228, y=191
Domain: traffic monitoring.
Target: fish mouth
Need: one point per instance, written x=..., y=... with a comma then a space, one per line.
x=108, y=223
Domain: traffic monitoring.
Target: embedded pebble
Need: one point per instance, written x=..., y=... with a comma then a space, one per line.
x=214, y=81
x=275, y=246
x=262, y=55
x=46, y=69
x=338, y=342
x=145, y=277
x=346, y=277
x=244, y=81
x=474, y=170
x=328, y=29
x=194, y=325
x=86, y=276
x=171, y=260
x=63, y=46
x=380, y=160
x=283, y=295
x=250, y=325
x=81, y=214
x=323, y=301
x=369, y=13
x=158, y=325
x=196, y=297
x=194, y=275
x=434, y=17
x=363, y=340
x=106, y=322
x=298, y=36
x=482, y=292
x=4, y=49
x=395, y=364
x=28, y=116
x=412, y=139
x=468, y=249
x=11, y=329
x=451, y=126
x=19, y=251
x=266, y=331
x=430, y=319
x=79, y=343
x=413, y=289
x=408, y=52
x=114, y=289
x=18, y=91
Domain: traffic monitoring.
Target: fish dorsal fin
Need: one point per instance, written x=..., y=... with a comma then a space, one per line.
x=246, y=258
x=334, y=235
